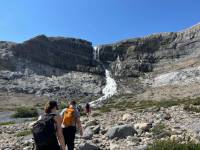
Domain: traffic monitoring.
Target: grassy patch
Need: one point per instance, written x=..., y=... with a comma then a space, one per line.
x=104, y=109
x=82, y=113
x=6, y=123
x=159, y=128
x=95, y=114
x=23, y=133
x=126, y=102
x=138, y=105
x=25, y=112
x=173, y=145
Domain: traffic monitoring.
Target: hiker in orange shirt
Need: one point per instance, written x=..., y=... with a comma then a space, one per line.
x=70, y=120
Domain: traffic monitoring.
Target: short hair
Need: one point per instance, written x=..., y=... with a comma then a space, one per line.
x=73, y=102
x=49, y=106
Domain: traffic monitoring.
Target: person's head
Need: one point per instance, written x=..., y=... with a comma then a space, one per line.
x=72, y=102
x=51, y=106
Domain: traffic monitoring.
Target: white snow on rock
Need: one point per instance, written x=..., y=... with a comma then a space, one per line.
x=181, y=77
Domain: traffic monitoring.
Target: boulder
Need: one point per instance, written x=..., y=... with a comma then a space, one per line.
x=88, y=133
x=143, y=126
x=88, y=146
x=121, y=131
x=114, y=146
x=91, y=123
x=96, y=129
x=141, y=147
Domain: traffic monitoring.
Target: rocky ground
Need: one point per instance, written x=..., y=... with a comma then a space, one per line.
x=118, y=130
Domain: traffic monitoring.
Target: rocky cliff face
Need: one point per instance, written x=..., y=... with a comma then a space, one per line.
x=151, y=67
x=50, y=66
x=57, y=52
x=131, y=58
x=138, y=63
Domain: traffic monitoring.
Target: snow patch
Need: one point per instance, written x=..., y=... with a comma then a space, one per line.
x=181, y=77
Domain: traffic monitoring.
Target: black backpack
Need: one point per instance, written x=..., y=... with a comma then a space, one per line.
x=44, y=131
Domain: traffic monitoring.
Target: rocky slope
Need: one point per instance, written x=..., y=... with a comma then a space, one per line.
x=117, y=130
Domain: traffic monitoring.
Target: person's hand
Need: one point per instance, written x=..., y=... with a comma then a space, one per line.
x=62, y=148
x=81, y=132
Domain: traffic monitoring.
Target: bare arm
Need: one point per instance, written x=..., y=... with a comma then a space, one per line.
x=79, y=126
x=59, y=132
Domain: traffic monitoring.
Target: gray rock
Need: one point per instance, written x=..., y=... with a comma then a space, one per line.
x=96, y=129
x=91, y=123
x=141, y=147
x=88, y=146
x=88, y=133
x=121, y=131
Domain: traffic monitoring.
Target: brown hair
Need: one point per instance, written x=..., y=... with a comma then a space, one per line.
x=73, y=102
x=49, y=106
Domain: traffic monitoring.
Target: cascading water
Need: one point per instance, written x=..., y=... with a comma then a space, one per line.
x=96, y=53
x=110, y=88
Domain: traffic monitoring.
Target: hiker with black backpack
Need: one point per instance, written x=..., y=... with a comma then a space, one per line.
x=47, y=131
x=70, y=120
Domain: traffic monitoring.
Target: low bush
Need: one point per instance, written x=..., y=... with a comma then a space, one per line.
x=173, y=145
x=6, y=123
x=95, y=114
x=104, y=109
x=159, y=128
x=23, y=133
x=25, y=112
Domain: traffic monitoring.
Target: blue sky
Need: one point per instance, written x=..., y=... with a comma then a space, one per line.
x=99, y=21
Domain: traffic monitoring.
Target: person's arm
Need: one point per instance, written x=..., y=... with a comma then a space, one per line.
x=79, y=126
x=59, y=132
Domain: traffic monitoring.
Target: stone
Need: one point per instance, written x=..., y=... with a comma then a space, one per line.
x=97, y=129
x=163, y=135
x=126, y=117
x=88, y=146
x=91, y=123
x=141, y=147
x=143, y=126
x=114, y=146
x=121, y=131
x=88, y=133
x=167, y=116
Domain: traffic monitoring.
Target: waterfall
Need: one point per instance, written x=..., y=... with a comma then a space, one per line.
x=110, y=88
x=96, y=53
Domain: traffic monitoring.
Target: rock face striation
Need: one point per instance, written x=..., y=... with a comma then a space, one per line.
x=50, y=66
x=151, y=67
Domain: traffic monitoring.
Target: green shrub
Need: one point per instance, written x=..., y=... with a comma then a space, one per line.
x=173, y=145
x=23, y=133
x=104, y=109
x=6, y=123
x=25, y=112
x=159, y=128
x=96, y=114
